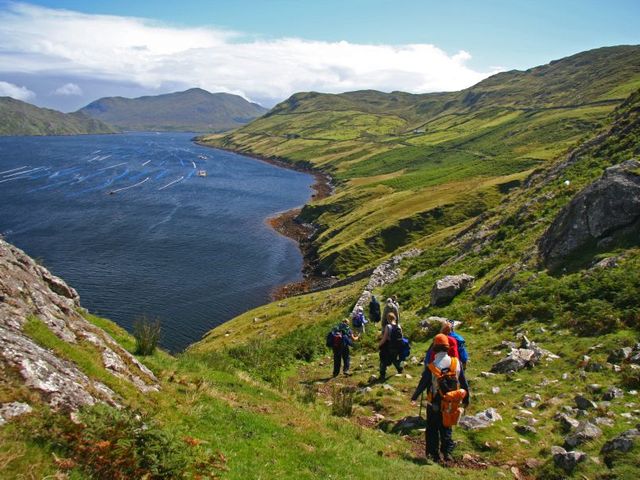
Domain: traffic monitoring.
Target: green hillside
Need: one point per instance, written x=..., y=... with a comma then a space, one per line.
x=21, y=118
x=582, y=315
x=194, y=110
x=409, y=165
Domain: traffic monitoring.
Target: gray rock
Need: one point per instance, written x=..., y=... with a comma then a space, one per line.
x=609, y=262
x=622, y=443
x=583, y=403
x=607, y=422
x=620, y=355
x=584, y=432
x=567, y=460
x=613, y=392
x=13, y=409
x=566, y=422
x=608, y=207
x=480, y=420
x=448, y=287
x=594, y=367
x=525, y=430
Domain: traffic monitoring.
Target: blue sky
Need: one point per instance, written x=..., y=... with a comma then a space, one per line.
x=458, y=43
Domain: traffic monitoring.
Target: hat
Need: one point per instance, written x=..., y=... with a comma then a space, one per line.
x=441, y=339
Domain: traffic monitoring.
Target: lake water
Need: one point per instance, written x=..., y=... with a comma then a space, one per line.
x=193, y=251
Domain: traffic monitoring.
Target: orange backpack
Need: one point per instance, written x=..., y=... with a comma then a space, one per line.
x=451, y=395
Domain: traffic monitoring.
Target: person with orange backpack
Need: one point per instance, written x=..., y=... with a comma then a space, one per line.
x=447, y=390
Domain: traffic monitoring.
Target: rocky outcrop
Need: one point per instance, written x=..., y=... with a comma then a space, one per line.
x=448, y=287
x=607, y=209
x=30, y=291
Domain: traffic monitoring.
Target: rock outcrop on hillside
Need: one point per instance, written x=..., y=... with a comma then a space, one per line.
x=28, y=291
x=605, y=210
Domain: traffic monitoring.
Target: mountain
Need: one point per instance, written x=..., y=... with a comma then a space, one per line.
x=408, y=165
x=193, y=110
x=21, y=118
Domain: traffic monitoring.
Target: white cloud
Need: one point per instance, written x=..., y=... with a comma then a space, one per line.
x=68, y=89
x=14, y=91
x=46, y=41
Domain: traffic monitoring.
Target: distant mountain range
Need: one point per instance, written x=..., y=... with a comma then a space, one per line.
x=21, y=118
x=193, y=110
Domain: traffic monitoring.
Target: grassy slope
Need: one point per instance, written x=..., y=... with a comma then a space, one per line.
x=263, y=432
x=596, y=309
x=384, y=148
x=20, y=118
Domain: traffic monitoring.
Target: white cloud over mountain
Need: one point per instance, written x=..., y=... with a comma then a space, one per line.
x=14, y=91
x=68, y=89
x=42, y=41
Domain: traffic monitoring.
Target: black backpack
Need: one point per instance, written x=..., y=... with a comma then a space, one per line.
x=395, y=338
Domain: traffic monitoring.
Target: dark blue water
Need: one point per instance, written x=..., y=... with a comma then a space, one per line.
x=192, y=251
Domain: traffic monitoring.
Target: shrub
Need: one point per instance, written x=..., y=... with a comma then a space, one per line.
x=342, y=398
x=113, y=444
x=147, y=335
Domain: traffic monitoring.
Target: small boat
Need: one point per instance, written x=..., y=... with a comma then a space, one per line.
x=202, y=173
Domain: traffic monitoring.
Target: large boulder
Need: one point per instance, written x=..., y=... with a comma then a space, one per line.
x=604, y=211
x=448, y=287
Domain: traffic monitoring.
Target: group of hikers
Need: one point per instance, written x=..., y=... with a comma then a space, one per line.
x=442, y=380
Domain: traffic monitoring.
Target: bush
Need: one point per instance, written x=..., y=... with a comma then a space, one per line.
x=342, y=398
x=147, y=335
x=113, y=444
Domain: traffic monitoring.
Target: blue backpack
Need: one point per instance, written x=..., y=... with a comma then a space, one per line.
x=405, y=351
x=462, y=349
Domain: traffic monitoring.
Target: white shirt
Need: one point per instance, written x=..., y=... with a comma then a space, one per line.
x=441, y=361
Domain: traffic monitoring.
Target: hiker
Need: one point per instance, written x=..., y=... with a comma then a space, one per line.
x=340, y=338
x=453, y=345
x=359, y=320
x=447, y=388
x=461, y=344
x=390, y=346
x=391, y=306
x=374, y=309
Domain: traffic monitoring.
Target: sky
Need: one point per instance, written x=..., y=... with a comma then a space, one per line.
x=64, y=54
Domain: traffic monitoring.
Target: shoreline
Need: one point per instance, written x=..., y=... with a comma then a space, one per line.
x=289, y=225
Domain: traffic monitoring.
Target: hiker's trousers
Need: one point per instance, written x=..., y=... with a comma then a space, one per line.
x=439, y=439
